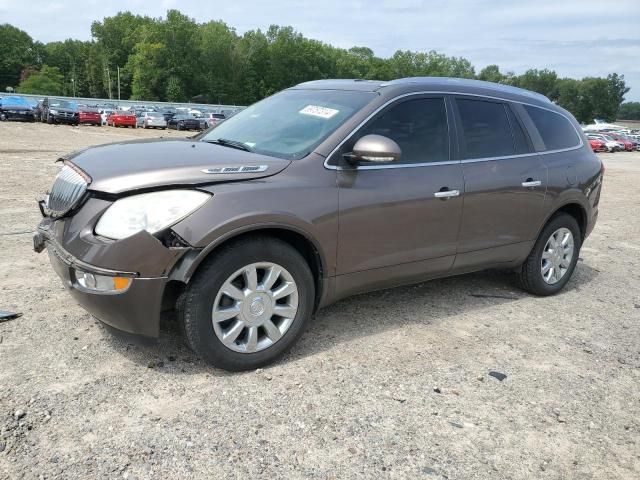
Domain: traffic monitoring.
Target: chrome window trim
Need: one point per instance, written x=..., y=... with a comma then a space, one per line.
x=447, y=162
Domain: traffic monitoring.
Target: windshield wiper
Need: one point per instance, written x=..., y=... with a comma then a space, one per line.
x=225, y=142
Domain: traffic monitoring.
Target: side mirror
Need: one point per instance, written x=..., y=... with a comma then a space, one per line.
x=374, y=148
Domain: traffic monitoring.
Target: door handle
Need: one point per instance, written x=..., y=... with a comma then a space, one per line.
x=530, y=183
x=447, y=193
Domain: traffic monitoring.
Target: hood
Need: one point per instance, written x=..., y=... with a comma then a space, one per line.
x=137, y=165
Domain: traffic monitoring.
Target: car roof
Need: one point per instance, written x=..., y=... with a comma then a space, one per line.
x=427, y=84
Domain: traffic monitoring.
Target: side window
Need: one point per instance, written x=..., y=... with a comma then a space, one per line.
x=556, y=131
x=520, y=139
x=418, y=126
x=486, y=129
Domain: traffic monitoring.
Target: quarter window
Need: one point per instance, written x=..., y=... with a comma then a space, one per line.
x=418, y=126
x=486, y=129
x=556, y=131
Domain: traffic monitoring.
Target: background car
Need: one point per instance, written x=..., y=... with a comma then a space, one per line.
x=16, y=108
x=626, y=143
x=104, y=114
x=89, y=116
x=214, y=119
x=59, y=111
x=120, y=118
x=184, y=122
x=597, y=145
x=152, y=120
x=168, y=112
x=612, y=145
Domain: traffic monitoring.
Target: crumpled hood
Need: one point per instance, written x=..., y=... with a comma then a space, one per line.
x=143, y=164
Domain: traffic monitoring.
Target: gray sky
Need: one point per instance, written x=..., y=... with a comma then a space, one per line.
x=575, y=38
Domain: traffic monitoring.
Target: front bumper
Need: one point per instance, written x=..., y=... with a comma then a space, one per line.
x=135, y=310
x=65, y=119
x=24, y=116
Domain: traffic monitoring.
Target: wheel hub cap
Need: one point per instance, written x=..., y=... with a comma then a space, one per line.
x=255, y=307
x=557, y=256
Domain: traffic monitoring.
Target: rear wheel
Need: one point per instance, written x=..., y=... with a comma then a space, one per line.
x=248, y=304
x=553, y=259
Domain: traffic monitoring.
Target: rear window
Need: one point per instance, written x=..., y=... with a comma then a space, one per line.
x=556, y=131
x=486, y=129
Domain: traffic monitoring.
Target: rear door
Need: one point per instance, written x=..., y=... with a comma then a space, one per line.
x=396, y=214
x=505, y=181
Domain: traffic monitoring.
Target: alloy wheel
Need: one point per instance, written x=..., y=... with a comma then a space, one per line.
x=255, y=307
x=557, y=256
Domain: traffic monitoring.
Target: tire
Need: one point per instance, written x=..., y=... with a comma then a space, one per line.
x=530, y=274
x=178, y=127
x=196, y=305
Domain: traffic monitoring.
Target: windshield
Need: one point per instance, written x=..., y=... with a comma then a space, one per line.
x=291, y=123
x=62, y=104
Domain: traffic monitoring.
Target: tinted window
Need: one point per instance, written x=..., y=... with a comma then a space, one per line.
x=556, y=131
x=486, y=129
x=418, y=126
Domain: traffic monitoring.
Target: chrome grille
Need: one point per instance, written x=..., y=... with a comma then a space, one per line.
x=67, y=190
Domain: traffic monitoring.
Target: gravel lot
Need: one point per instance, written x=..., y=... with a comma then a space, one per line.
x=394, y=384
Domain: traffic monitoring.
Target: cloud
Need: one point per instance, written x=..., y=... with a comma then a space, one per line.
x=575, y=37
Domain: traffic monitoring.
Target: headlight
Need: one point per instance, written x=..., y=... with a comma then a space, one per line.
x=148, y=211
x=54, y=112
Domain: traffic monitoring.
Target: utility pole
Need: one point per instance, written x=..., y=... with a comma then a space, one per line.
x=109, y=82
x=73, y=83
x=118, y=85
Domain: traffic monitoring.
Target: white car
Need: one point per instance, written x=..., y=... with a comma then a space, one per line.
x=152, y=120
x=104, y=113
x=214, y=119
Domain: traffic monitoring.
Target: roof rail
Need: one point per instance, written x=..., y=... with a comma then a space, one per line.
x=467, y=82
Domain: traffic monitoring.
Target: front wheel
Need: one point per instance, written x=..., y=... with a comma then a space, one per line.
x=248, y=304
x=553, y=259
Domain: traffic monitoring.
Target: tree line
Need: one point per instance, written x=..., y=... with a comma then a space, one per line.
x=177, y=59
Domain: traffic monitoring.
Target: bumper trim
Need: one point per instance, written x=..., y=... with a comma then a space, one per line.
x=72, y=261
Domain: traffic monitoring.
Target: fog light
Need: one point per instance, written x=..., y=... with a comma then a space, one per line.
x=102, y=283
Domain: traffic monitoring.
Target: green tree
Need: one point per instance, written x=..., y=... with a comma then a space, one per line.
x=147, y=75
x=629, y=111
x=542, y=81
x=174, y=91
x=17, y=51
x=491, y=73
x=48, y=81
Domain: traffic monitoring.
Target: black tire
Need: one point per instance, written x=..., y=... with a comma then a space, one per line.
x=195, y=305
x=178, y=127
x=530, y=275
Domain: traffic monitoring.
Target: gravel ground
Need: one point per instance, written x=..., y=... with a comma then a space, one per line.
x=394, y=384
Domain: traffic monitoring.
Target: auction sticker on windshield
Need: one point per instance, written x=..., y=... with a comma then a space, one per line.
x=316, y=111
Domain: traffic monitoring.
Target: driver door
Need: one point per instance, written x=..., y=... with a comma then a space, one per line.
x=395, y=225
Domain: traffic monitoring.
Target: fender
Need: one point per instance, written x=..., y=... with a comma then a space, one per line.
x=189, y=263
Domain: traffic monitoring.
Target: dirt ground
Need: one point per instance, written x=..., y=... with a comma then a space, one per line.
x=393, y=384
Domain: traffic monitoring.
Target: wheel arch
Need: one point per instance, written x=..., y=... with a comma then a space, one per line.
x=297, y=239
x=576, y=210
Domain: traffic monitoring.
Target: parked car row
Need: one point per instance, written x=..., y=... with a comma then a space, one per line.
x=56, y=111
x=608, y=141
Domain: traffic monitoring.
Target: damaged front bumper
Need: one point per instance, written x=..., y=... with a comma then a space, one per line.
x=121, y=283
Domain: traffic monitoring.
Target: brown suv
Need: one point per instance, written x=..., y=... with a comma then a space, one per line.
x=322, y=191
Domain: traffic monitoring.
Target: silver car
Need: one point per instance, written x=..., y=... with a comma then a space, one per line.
x=152, y=120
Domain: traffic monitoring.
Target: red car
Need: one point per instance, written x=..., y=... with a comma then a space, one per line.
x=122, y=119
x=628, y=146
x=90, y=116
x=597, y=145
